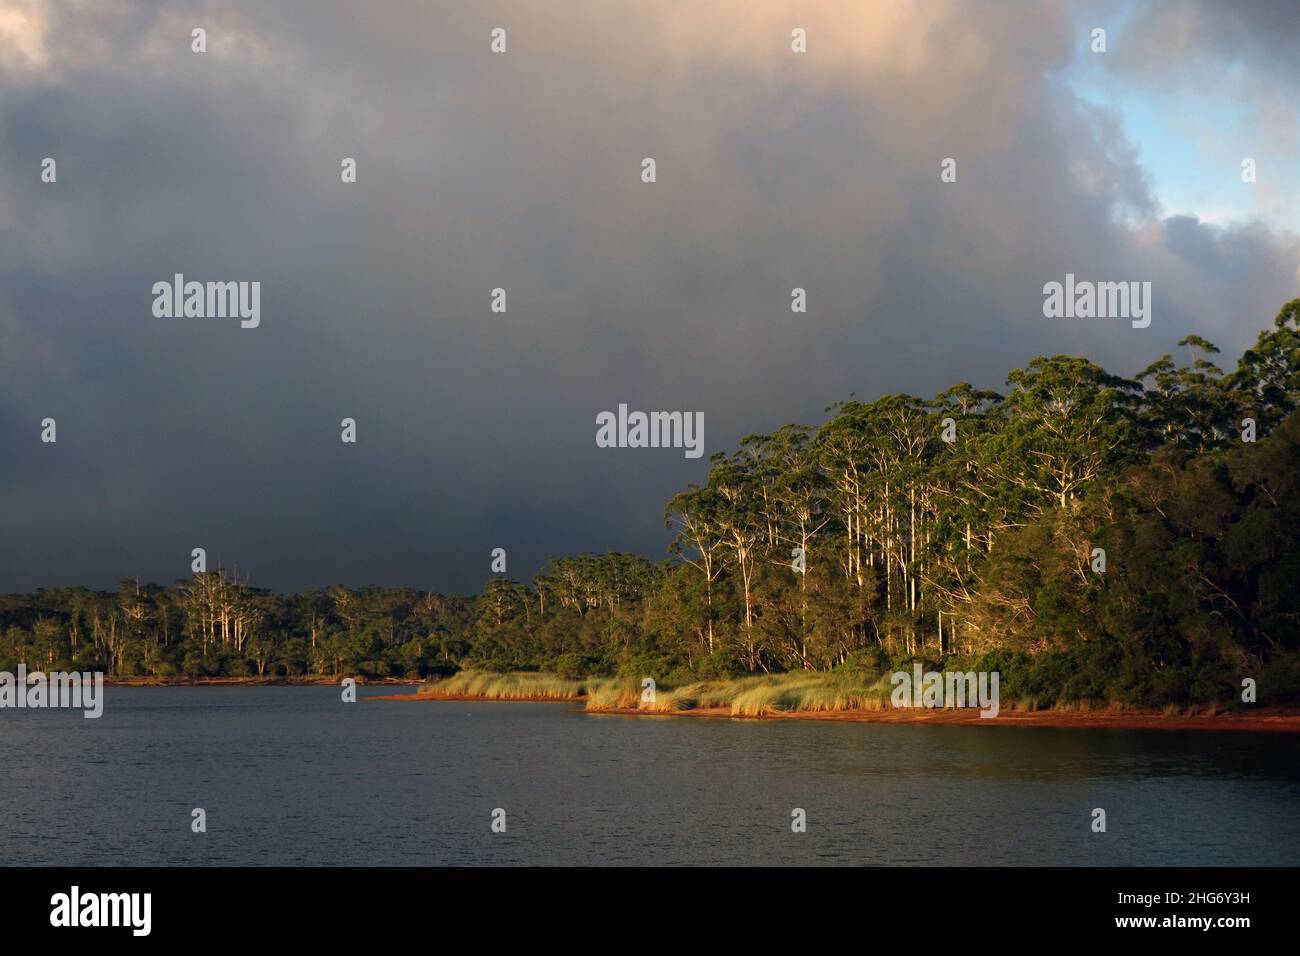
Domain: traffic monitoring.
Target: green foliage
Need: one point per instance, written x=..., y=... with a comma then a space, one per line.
x=574, y=666
x=960, y=528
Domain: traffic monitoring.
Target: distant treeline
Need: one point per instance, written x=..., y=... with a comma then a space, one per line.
x=1125, y=540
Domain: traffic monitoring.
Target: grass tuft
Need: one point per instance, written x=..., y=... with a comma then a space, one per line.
x=514, y=686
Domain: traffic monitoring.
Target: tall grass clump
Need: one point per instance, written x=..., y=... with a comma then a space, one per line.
x=490, y=686
x=818, y=692
x=746, y=696
x=612, y=693
x=621, y=693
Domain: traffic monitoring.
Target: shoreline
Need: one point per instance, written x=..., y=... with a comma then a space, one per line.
x=254, y=681
x=478, y=698
x=1268, y=720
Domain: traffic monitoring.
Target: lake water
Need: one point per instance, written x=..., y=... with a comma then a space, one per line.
x=291, y=775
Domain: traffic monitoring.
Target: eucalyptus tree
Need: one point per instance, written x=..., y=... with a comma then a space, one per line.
x=842, y=445
x=695, y=515
x=1067, y=422
x=1268, y=374
x=735, y=485
x=1191, y=406
x=801, y=497
x=961, y=517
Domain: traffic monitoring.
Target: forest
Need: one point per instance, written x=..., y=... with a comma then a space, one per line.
x=1093, y=537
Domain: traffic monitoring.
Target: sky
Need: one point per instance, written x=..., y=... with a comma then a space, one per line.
x=522, y=170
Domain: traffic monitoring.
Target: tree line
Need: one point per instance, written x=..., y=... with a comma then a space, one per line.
x=1131, y=539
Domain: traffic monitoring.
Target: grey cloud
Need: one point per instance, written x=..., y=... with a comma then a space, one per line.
x=477, y=430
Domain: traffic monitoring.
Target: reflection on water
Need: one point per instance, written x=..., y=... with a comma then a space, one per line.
x=291, y=775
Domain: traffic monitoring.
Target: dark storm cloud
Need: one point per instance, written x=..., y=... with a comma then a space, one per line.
x=522, y=171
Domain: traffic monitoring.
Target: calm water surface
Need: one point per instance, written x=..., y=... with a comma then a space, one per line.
x=291, y=775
